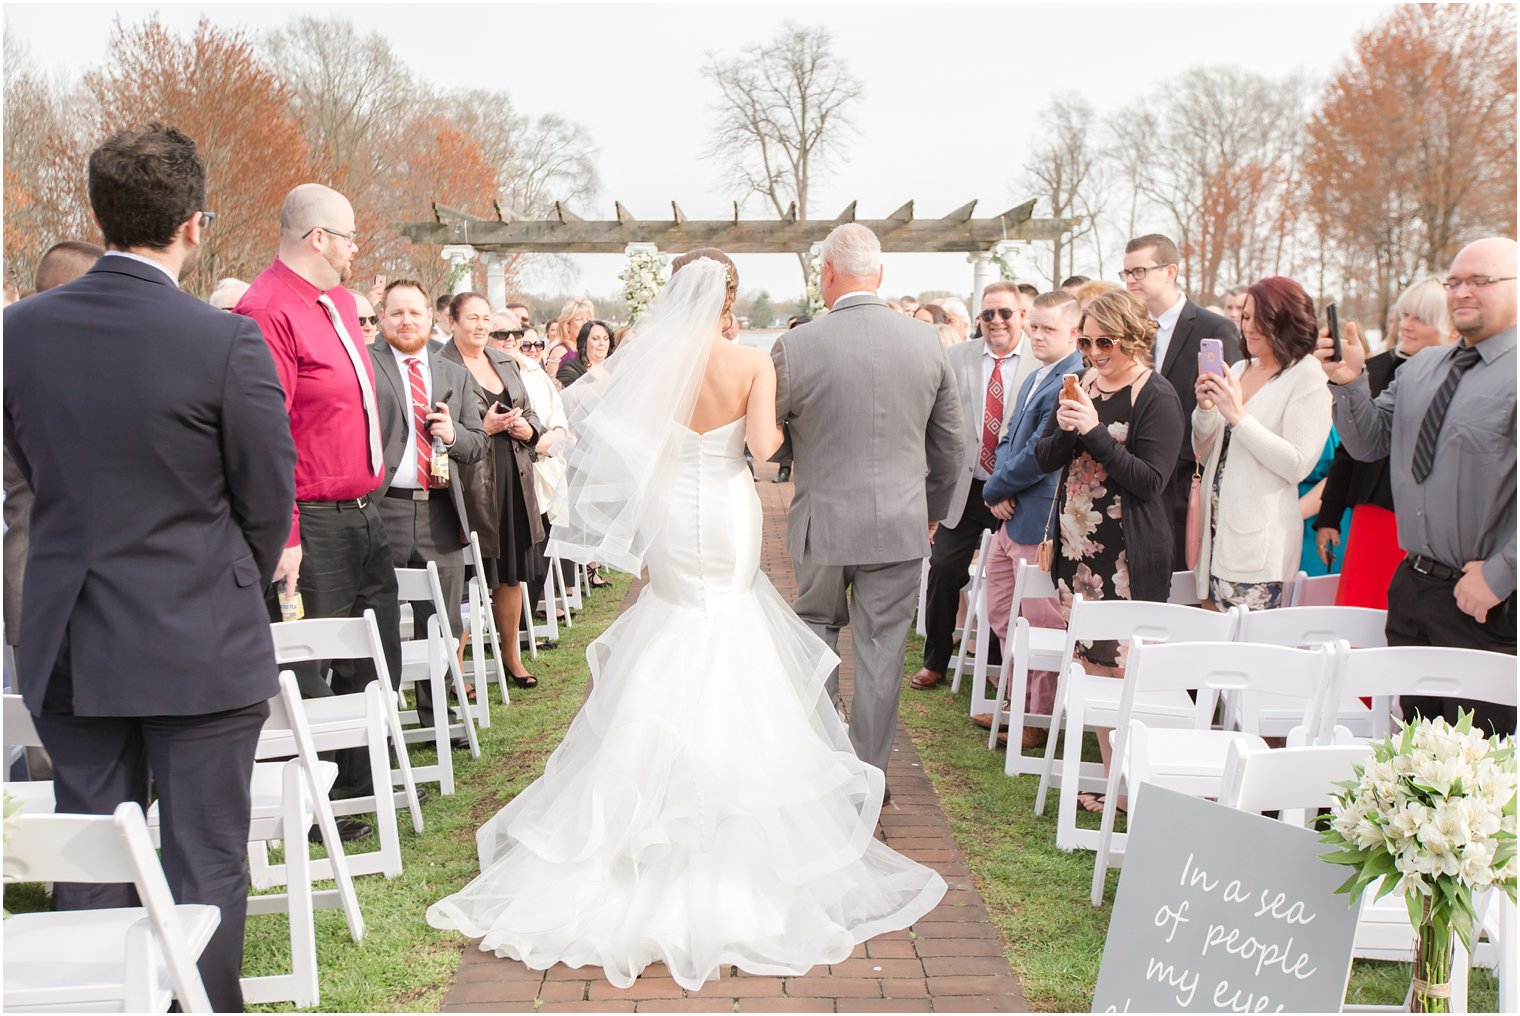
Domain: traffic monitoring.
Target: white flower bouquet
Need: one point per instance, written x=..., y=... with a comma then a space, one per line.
x=642, y=278
x=815, y=304
x=1432, y=815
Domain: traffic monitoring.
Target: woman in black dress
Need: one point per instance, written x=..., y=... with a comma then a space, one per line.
x=1118, y=442
x=498, y=490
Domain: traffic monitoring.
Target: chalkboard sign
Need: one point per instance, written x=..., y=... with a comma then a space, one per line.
x=1220, y=910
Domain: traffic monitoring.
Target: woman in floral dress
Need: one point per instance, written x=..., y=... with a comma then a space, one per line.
x=1118, y=442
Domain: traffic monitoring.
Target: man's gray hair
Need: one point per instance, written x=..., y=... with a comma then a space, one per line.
x=853, y=250
x=955, y=308
x=227, y=293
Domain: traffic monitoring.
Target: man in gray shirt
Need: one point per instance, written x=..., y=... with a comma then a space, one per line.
x=1447, y=424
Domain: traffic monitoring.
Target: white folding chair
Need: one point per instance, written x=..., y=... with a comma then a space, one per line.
x=923, y=591
x=1316, y=592
x=1192, y=761
x=36, y=796
x=1273, y=715
x=1422, y=670
x=429, y=658
x=482, y=625
x=131, y=959
x=1091, y=702
x=368, y=719
x=557, y=575
x=1184, y=591
x=1029, y=648
x=529, y=634
x=1294, y=782
x=976, y=628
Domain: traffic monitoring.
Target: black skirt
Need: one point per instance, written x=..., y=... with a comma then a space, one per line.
x=516, y=533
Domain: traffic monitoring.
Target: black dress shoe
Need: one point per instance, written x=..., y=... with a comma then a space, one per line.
x=460, y=743
x=886, y=795
x=783, y=475
x=349, y=830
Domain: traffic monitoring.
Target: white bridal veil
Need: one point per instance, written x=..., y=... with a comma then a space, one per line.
x=625, y=418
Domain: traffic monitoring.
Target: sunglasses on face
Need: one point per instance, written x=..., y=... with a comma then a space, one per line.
x=508, y=336
x=369, y=320
x=533, y=345
x=1103, y=342
x=989, y=315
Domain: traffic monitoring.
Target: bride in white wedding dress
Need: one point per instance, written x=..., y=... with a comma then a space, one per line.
x=705, y=808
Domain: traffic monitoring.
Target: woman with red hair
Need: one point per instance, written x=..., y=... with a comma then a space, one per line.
x=1265, y=424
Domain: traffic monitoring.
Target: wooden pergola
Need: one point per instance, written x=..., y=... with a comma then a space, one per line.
x=464, y=237
x=568, y=233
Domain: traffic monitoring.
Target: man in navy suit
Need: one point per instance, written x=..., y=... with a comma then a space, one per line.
x=1020, y=494
x=153, y=432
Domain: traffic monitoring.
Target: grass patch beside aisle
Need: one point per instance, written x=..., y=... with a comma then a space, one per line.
x=403, y=965
x=1036, y=894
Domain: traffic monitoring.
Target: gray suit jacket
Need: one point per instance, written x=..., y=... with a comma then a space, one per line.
x=876, y=433
x=965, y=360
x=451, y=384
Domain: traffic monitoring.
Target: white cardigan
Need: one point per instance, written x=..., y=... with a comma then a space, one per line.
x=1260, y=533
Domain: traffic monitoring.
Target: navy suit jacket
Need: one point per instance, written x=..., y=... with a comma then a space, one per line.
x=1017, y=474
x=152, y=429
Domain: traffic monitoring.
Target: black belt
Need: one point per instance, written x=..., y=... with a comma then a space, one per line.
x=1434, y=569
x=338, y=506
x=409, y=494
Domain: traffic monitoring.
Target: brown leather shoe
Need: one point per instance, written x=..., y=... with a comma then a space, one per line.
x=1034, y=737
x=926, y=679
x=983, y=720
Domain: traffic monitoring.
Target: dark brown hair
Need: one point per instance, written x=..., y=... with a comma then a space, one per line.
x=1166, y=250
x=144, y=185
x=65, y=262
x=1284, y=314
x=460, y=299
x=402, y=284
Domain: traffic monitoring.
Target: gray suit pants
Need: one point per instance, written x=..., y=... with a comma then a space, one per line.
x=878, y=609
x=419, y=532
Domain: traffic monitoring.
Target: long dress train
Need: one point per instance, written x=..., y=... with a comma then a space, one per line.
x=705, y=808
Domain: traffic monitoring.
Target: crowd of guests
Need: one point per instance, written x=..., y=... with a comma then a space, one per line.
x=1239, y=446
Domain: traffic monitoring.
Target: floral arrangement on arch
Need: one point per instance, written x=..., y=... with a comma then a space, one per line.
x=642, y=278
x=1432, y=815
x=815, y=286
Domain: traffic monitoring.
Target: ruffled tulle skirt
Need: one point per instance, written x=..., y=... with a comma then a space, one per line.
x=705, y=809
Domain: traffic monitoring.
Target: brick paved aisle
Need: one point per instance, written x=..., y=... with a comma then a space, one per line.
x=951, y=961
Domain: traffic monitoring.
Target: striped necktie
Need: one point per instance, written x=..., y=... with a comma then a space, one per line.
x=420, y=423
x=1435, y=416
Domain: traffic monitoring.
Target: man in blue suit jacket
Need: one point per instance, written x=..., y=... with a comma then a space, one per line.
x=152, y=430
x=1021, y=494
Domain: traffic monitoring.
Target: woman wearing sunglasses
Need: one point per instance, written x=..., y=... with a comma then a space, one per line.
x=1118, y=442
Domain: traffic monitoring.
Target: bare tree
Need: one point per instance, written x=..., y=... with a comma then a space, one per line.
x=1066, y=169
x=539, y=160
x=783, y=112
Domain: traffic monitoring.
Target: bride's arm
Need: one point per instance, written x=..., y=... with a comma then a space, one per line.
x=761, y=431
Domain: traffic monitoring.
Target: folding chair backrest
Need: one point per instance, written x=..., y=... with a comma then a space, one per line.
x=1428, y=670
x=1184, y=590
x=1032, y=584
x=287, y=719
x=412, y=584
x=1284, y=779
x=1154, y=622
x=1307, y=627
x=1318, y=591
x=1214, y=667
x=19, y=727
x=329, y=638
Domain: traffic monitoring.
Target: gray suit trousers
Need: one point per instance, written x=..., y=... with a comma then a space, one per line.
x=878, y=609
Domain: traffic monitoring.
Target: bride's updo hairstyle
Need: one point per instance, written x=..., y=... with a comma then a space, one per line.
x=1123, y=318
x=716, y=255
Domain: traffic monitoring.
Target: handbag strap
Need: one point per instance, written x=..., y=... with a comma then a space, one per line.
x=1055, y=500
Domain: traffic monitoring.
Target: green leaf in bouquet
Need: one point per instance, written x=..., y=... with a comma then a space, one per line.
x=1414, y=902
x=1464, y=721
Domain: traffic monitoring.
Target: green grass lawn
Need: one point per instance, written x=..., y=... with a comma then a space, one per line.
x=1038, y=895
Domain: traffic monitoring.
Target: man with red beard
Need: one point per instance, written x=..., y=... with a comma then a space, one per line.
x=337, y=555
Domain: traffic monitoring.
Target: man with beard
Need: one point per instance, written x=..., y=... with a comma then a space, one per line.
x=337, y=556
x=151, y=430
x=421, y=397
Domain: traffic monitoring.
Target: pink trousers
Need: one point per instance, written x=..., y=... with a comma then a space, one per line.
x=1003, y=558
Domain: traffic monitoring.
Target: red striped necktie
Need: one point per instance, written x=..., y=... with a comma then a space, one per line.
x=420, y=422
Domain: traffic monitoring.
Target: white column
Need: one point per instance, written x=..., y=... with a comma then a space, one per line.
x=983, y=274
x=459, y=256
x=496, y=280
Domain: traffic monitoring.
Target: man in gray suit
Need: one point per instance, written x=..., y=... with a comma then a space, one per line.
x=988, y=372
x=877, y=437
x=422, y=396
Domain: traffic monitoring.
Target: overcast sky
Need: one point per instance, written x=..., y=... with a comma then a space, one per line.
x=953, y=93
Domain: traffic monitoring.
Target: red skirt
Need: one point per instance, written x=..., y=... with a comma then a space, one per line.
x=1372, y=555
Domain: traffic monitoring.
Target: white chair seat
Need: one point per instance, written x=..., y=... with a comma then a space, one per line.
x=1046, y=646
x=1102, y=699
x=1193, y=754
x=36, y=796
x=85, y=949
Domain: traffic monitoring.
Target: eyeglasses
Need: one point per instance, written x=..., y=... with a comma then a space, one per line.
x=1138, y=274
x=1474, y=282
x=352, y=237
x=1103, y=342
x=207, y=218
x=506, y=336
x=369, y=320
x=989, y=315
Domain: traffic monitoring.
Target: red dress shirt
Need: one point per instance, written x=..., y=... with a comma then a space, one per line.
x=321, y=392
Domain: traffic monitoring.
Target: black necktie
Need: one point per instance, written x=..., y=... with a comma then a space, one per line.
x=1430, y=427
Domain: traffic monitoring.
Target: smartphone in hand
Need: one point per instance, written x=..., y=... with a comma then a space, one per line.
x=1211, y=357
x=1333, y=320
x=1069, y=387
